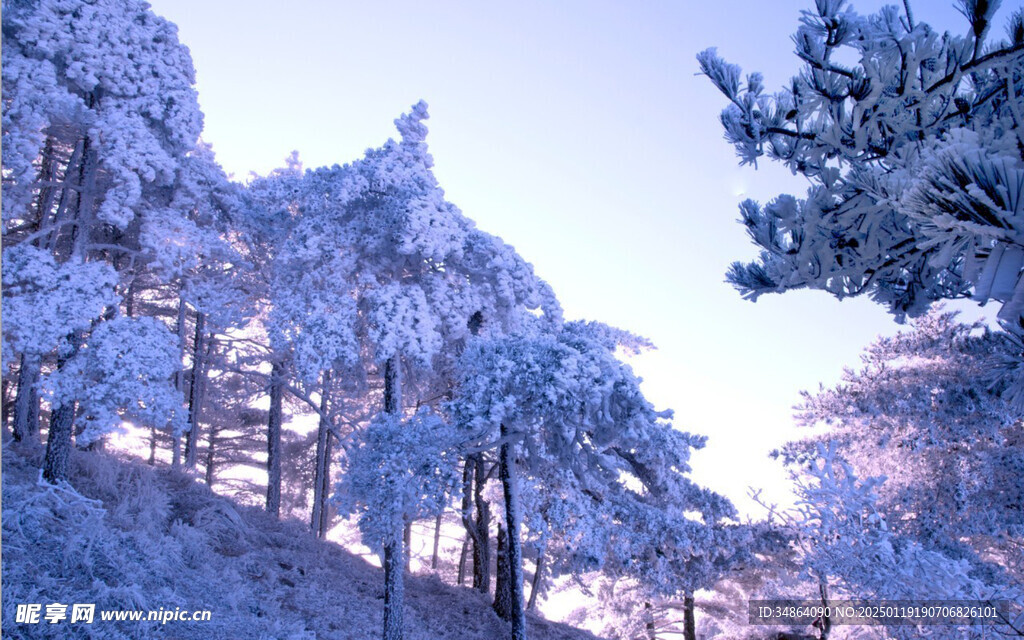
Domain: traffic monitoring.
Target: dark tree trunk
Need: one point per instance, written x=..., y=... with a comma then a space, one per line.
x=510, y=489
x=467, y=515
x=68, y=202
x=393, y=552
x=325, y=491
x=58, y=443
x=82, y=230
x=394, y=592
x=689, y=617
x=538, y=581
x=323, y=437
x=26, y=401
x=481, y=542
x=47, y=193
x=407, y=541
x=210, y=471
x=194, y=393
x=274, y=421
x=434, y=557
x=825, y=628
x=652, y=634
x=503, y=579
x=463, y=556
x=62, y=419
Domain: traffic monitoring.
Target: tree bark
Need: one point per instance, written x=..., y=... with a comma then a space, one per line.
x=538, y=581
x=210, y=471
x=463, y=556
x=325, y=490
x=481, y=541
x=194, y=393
x=26, y=401
x=323, y=437
x=407, y=542
x=68, y=199
x=652, y=633
x=58, y=443
x=274, y=421
x=434, y=557
x=394, y=591
x=689, y=617
x=86, y=196
x=825, y=630
x=62, y=419
x=394, y=563
x=502, y=579
x=467, y=516
x=510, y=489
x=47, y=193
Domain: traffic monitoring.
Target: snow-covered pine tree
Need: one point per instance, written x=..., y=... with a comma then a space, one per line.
x=396, y=471
x=378, y=275
x=913, y=142
x=922, y=415
x=99, y=116
x=560, y=405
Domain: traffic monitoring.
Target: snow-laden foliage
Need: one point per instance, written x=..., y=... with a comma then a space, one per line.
x=850, y=545
x=106, y=71
x=187, y=241
x=922, y=413
x=604, y=474
x=397, y=471
x=915, y=490
x=913, y=142
x=122, y=373
x=400, y=269
x=44, y=301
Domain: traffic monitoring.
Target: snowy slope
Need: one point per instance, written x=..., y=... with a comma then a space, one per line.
x=128, y=536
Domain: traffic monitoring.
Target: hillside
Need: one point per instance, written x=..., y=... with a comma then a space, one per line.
x=126, y=536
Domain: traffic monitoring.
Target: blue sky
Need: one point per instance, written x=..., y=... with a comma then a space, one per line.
x=578, y=132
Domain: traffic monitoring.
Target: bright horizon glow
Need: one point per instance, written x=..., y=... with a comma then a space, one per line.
x=579, y=133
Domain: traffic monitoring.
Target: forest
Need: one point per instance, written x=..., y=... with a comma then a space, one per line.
x=323, y=403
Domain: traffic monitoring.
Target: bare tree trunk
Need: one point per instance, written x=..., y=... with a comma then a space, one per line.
x=407, y=541
x=538, y=581
x=437, y=541
x=689, y=617
x=503, y=578
x=826, y=621
x=467, y=515
x=394, y=592
x=26, y=401
x=323, y=436
x=209, y=472
x=179, y=376
x=274, y=421
x=68, y=198
x=394, y=588
x=47, y=193
x=510, y=489
x=461, y=576
x=325, y=490
x=194, y=393
x=652, y=634
x=62, y=419
x=58, y=443
x=481, y=542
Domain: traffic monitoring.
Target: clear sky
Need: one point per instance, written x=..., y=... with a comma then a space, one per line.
x=578, y=131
